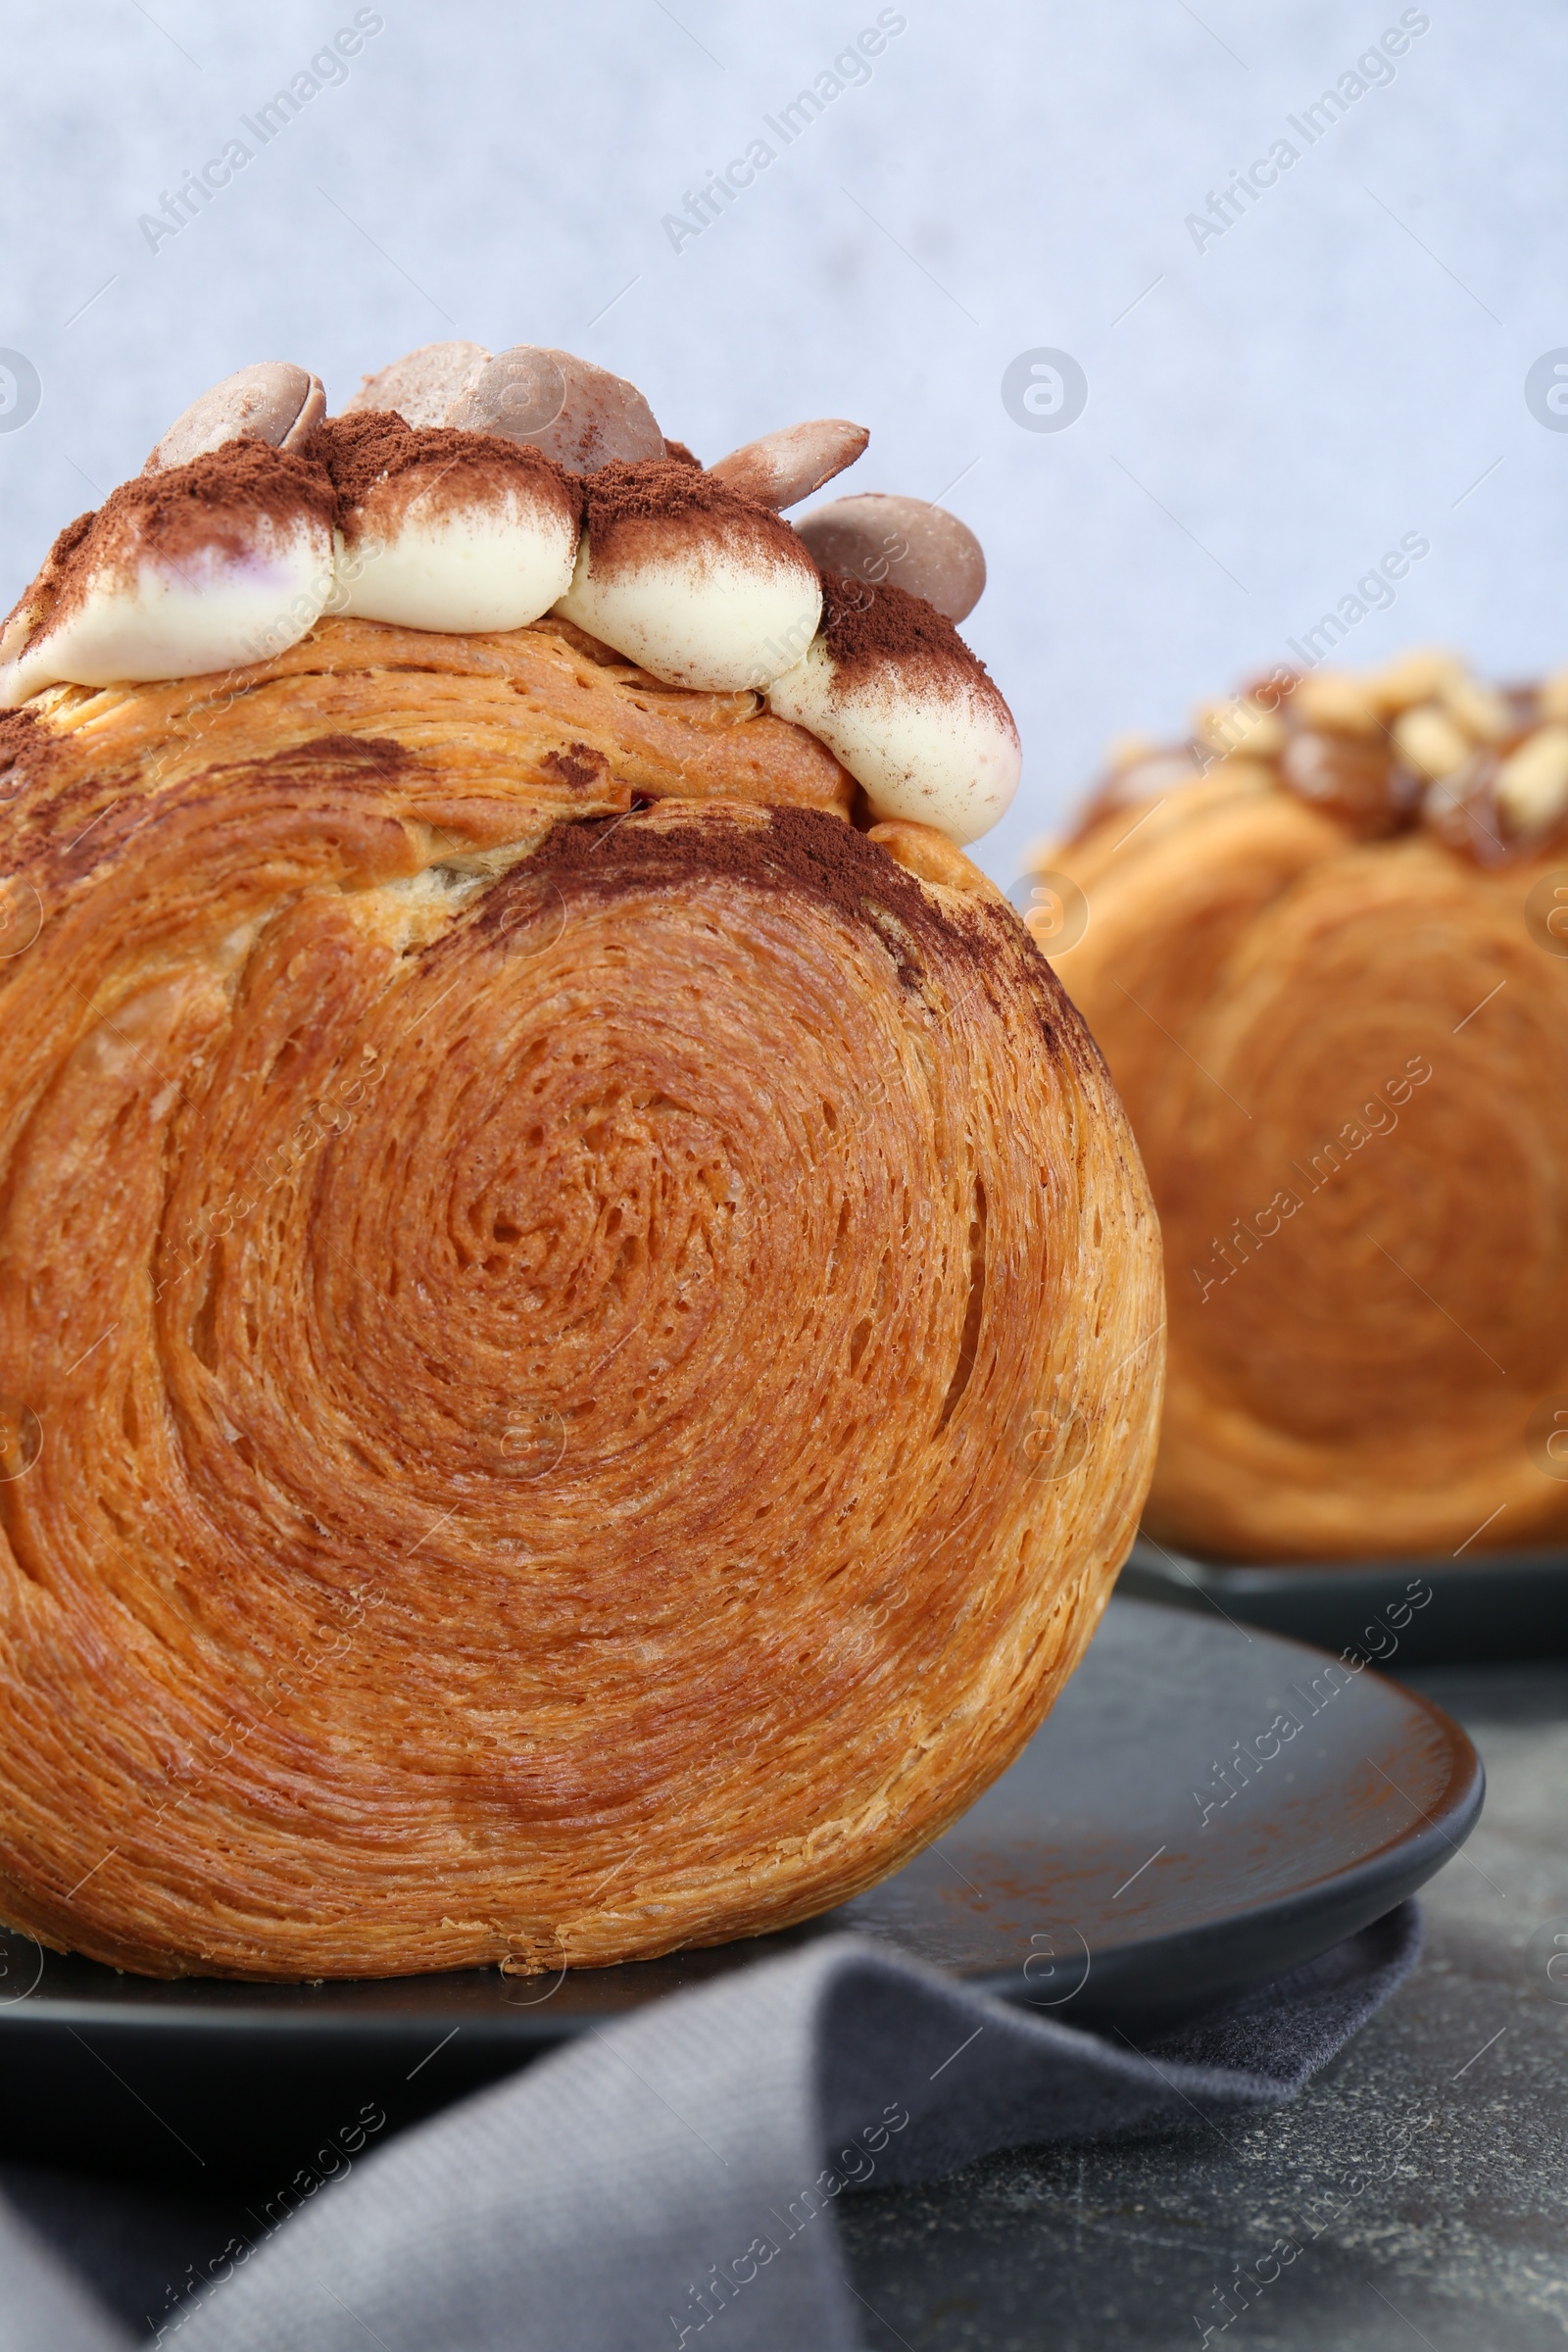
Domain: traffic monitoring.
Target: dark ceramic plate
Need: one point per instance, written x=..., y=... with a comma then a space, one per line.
x=1442, y=1611
x=1204, y=1808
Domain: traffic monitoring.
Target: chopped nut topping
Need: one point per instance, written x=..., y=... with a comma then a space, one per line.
x=1418, y=742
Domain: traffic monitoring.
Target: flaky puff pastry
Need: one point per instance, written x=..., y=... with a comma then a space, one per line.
x=581, y=1338
x=1346, y=1060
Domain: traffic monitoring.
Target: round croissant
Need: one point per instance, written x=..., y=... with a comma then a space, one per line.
x=580, y=1338
x=1329, y=987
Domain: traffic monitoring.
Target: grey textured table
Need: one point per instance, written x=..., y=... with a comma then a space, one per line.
x=1415, y=2193
x=1422, y=2177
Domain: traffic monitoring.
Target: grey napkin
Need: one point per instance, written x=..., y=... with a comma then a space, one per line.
x=672, y=2179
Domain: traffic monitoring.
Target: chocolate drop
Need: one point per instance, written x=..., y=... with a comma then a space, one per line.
x=273, y=402
x=907, y=542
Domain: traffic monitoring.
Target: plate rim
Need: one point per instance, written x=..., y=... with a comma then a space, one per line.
x=1367, y=1887
x=1531, y=1563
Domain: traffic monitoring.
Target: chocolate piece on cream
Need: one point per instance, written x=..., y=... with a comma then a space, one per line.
x=919, y=547
x=785, y=467
x=698, y=586
x=891, y=689
x=422, y=385
x=274, y=402
x=575, y=412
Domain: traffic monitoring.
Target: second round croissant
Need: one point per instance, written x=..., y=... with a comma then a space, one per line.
x=1331, y=986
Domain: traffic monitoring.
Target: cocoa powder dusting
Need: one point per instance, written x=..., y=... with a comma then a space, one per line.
x=374, y=449
x=678, y=453
x=39, y=598
x=191, y=507
x=795, y=851
x=580, y=767
x=359, y=448
x=26, y=750
x=64, y=547
x=631, y=504
x=870, y=630
x=380, y=757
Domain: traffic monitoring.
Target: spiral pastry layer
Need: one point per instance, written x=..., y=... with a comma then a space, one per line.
x=580, y=1338
x=1342, y=1036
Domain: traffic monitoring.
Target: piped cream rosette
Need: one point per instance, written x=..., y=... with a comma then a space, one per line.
x=890, y=687
x=446, y=530
x=206, y=567
x=701, y=587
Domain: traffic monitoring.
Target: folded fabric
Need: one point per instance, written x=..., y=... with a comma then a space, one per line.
x=672, y=2178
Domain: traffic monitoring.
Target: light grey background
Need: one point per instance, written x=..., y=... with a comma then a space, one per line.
x=1265, y=417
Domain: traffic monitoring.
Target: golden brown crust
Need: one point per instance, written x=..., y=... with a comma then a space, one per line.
x=1346, y=1066
x=592, y=1365
x=543, y=714
x=921, y=850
